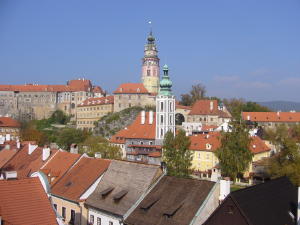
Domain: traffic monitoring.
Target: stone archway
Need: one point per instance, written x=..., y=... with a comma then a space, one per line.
x=179, y=119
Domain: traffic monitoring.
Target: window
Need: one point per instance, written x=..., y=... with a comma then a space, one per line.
x=111, y=223
x=98, y=221
x=170, y=106
x=63, y=212
x=55, y=206
x=148, y=73
x=92, y=219
x=72, y=220
x=161, y=106
x=161, y=119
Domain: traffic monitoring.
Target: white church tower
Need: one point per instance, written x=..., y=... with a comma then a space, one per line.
x=165, y=108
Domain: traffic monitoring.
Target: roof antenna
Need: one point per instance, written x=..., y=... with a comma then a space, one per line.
x=150, y=24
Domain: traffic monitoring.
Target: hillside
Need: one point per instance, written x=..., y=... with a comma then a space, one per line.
x=283, y=106
x=113, y=122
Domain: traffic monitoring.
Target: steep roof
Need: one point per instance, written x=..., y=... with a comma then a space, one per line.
x=9, y=122
x=131, y=88
x=172, y=201
x=24, y=202
x=58, y=165
x=6, y=155
x=72, y=85
x=199, y=143
x=98, y=89
x=269, y=203
x=271, y=116
x=208, y=107
x=97, y=101
x=24, y=163
x=137, y=130
x=79, y=178
x=121, y=186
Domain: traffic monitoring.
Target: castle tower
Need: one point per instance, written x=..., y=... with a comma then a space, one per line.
x=150, y=67
x=165, y=108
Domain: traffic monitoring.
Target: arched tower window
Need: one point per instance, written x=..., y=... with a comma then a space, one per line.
x=161, y=119
x=161, y=106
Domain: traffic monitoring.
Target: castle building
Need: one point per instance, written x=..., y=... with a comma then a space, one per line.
x=165, y=107
x=150, y=67
x=34, y=101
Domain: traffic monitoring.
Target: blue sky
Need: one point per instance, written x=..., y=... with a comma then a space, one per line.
x=248, y=49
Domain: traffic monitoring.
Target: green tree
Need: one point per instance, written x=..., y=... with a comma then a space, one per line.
x=98, y=144
x=59, y=117
x=176, y=154
x=68, y=136
x=287, y=161
x=234, y=154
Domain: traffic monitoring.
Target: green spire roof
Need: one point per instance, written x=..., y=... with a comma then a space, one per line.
x=165, y=83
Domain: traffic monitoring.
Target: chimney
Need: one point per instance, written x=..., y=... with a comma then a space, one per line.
x=211, y=106
x=7, y=137
x=18, y=147
x=98, y=155
x=278, y=113
x=298, y=207
x=224, y=189
x=143, y=117
x=31, y=148
x=248, y=117
x=46, y=152
x=151, y=117
x=74, y=149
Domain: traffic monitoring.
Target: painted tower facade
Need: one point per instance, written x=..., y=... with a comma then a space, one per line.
x=150, y=67
x=165, y=107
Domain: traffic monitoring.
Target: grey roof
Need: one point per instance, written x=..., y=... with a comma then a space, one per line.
x=172, y=201
x=122, y=185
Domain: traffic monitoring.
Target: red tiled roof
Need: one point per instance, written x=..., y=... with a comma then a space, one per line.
x=58, y=165
x=26, y=164
x=131, y=88
x=203, y=107
x=209, y=127
x=80, y=177
x=72, y=85
x=24, y=202
x=199, y=142
x=9, y=122
x=178, y=106
x=97, y=89
x=137, y=130
x=97, y=101
x=272, y=116
x=155, y=154
x=6, y=155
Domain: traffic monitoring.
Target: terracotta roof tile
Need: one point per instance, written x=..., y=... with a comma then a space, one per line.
x=208, y=107
x=9, y=122
x=80, y=177
x=131, y=88
x=24, y=202
x=26, y=164
x=97, y=101
x=58, y=165
x=6, y=155
x=211, y=142
x=137, y=130
x=272, y=116
x=97, y=89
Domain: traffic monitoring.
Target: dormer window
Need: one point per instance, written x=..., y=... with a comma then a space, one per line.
x=208, y=146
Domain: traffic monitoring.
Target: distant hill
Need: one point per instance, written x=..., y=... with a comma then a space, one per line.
x=283, y=106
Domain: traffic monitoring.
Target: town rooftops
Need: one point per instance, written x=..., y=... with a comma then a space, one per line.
x=97, y=89
x=121, y=186
x=270, y=203
x=138, y=129
x=6, y=155
x=24, y=202
x=58, y=165
x=72, y=86
x=97, y=101
x=271, y=116
x=27, y=160
x=208, y=107
x=79, y=178
x=131, y=88
x=211, y=142
x=9, y=122
x=172, y=201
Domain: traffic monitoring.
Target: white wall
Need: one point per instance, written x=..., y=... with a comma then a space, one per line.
x=105, y=219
